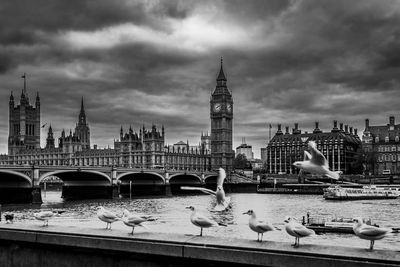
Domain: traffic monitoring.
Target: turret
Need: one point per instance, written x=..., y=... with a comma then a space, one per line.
x=11, y=100
x=279, y=132
x=37, y=103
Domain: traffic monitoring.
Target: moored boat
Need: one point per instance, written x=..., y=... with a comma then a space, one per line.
x=337, y=192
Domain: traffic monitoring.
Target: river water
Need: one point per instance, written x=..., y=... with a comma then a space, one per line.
x=172, y=217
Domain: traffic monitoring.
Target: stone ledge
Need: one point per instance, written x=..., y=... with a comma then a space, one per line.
x=206, y=248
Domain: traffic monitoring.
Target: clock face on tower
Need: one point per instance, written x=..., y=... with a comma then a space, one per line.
x=229, y=107
x=217, y=107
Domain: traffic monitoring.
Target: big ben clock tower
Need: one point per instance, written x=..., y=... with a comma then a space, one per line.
x=221, y=113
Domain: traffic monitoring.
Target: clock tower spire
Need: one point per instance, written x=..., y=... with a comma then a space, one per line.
x=221, y=114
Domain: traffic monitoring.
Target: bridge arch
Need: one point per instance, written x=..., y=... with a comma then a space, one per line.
x=184, y=178
x=22, y=180
x=142, y=178
x=211, y=179
x=77, y=177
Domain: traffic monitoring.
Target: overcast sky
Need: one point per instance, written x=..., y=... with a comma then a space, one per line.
x=148, y=62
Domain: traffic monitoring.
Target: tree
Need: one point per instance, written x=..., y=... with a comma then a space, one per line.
x=241, y=162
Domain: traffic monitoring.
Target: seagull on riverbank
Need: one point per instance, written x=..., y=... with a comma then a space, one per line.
x=297, y=230
x=133, y=220
x=260, y=227
x=201, y=221
x=316, y=164
x=44, y=216
x=222, y=200
x=107, y=216
x=368, y=232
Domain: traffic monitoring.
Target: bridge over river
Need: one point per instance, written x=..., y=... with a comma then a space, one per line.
x=22, y=183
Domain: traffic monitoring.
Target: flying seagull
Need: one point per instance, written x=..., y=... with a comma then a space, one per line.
x=260, y=227
x=44, y=125
x=368, y=232
x=315, y=162
x=201, y=221
x=297, y=230
x=222, y=200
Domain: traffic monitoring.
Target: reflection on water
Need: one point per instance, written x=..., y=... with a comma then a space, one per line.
x=172, y=217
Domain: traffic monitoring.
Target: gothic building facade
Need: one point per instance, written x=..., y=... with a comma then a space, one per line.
x=221, y=114
x=382, y=147
x=341, y=147
x=24, y=124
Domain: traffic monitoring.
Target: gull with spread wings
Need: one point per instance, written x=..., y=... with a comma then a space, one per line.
x=316, y=163
x=222, y=200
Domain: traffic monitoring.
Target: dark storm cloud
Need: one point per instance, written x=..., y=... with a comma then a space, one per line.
x=150, y=62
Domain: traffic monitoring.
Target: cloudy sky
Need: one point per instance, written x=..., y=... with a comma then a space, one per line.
x=138, y=62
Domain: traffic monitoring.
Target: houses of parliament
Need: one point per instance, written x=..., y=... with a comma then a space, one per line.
x=145, y=148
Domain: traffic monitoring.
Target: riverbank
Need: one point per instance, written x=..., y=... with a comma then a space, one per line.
x=32, y=245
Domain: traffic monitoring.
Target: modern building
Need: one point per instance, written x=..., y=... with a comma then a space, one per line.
x=341, y=147
x=382, y=147
x=246, y=150
x=221, y=114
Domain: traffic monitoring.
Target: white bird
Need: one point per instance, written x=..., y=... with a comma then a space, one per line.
x=107, y=216
x=44, y=216
x=133, y=220
x=201, y=221
x=260, y=227
x=221, y=199
x=368, y=232
x=315, y=163
x=297, y=230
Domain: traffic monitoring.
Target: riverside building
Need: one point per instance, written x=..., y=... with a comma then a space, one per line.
x=341, y=147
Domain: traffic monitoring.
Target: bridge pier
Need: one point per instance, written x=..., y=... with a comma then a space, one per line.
x=37, y=195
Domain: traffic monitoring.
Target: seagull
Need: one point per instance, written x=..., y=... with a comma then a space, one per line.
x=222, y=200
x=297, y=230
x=315, y=162
x=201, y=221
x=368, y=232
x=107, y=216
x=9, y=217
x=44, y=125
x=133, y=220
x=44, y=216
x=260, y=227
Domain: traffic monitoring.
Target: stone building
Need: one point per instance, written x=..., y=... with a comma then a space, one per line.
x=341, y=147
x=24, y=123
x=245, y=149
x=382, y=147
x=221, y=113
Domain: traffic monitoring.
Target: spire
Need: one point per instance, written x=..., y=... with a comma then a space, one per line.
x=221, y=75
x=82, y=115
x=24, y=77
x=50, y=130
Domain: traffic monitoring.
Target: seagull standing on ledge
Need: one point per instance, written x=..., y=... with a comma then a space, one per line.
x=222, y=200
x=316, y=164
x=133, y=220
x=368, y=232
x=44, y=216
x=201, y=221
x=260, y=227
x=297, y=230
x=107, y=216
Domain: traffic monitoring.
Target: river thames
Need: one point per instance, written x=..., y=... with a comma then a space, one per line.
x=172, y=217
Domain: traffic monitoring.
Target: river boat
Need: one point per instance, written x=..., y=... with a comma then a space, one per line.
x=328, y=224
x=337, y=192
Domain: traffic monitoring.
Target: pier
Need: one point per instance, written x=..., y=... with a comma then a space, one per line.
x=32, y=245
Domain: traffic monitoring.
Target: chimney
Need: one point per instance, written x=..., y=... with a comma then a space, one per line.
x=355, y=131
x=287, y=130
x=317, y=130
x=279, y=132
x=391, y=120
x=335, y=128
x=341, y=127
x=351, y=130
x=346, y=128
x=366, y=124
x=296, y=126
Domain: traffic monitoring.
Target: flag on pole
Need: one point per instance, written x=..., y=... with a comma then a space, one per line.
x=270, y=126
x=23, y=76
